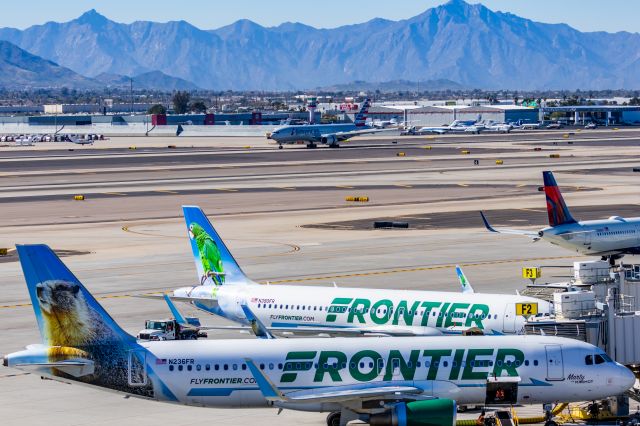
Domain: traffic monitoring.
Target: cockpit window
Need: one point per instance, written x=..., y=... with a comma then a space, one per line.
x=597, y=359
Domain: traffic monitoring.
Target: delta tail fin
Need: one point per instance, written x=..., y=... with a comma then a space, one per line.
x=67, y=314
x=464, y=282
x=214, y=262
x=361, y=116
x=557, y=209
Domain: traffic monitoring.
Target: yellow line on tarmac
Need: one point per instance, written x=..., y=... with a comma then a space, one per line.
x=403, y=186
x=344, y=186
x=463, y=184
x=226, y=189
x=404, y=270
x=359, y=274
x=114, y=193
x=166, y=191
x=290, y=188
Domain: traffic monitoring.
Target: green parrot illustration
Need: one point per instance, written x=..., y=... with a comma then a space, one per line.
x=209, y=255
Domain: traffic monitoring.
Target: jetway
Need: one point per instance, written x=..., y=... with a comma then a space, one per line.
x=600, y=305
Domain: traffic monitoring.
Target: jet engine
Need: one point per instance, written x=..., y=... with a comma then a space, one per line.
x=329, y=140
x=433, y=412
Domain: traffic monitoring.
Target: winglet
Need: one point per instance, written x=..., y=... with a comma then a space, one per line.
x=258, y=328
x=175, y=312
x=266, y=386
x=466, y=285
x=486, y=223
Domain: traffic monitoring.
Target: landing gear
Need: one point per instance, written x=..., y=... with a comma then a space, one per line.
x=612, y=259
x=279, y=146
x=333, y=419
x=311, y=146
x=334, y=145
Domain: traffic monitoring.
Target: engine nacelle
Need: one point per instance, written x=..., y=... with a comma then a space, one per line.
x=329, y=140
x=433, y=412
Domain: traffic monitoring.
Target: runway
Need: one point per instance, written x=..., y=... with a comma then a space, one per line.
x=272, y=207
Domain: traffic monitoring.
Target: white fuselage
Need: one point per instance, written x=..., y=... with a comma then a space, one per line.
x=597, y=237
x=311, y=132
x=548, y=369
x=401, y=311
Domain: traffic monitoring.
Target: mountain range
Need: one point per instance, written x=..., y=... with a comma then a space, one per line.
x=470, y=45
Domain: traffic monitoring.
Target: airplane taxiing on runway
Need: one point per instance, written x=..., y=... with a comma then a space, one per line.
x=610, y=238
x=328, y=134
x=226, y=291
x=405, y=381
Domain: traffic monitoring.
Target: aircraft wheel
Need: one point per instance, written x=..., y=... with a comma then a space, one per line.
x=550, y=423
x=279, y=146
x=333, y=419
x=335, y=145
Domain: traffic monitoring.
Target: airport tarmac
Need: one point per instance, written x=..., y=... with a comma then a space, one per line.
x=128, y=236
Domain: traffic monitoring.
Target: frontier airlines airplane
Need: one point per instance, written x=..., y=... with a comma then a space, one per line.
x=409, y=381
x=226, y=291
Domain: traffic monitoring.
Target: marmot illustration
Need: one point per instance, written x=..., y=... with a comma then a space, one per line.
x=68, y=319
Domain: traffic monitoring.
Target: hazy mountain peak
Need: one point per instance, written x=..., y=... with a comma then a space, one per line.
x=92, y=17
x=466, y=43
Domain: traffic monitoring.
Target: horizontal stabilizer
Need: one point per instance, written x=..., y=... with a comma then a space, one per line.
x=73, y=367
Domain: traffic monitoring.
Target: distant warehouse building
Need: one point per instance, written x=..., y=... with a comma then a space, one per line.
x=601, y=114
x=443, y=115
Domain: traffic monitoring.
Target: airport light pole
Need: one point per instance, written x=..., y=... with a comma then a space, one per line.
x=131, y=93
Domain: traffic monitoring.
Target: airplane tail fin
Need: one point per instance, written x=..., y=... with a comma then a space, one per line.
x=557, y=209
x=67, y=314
x=214, y=262
x=464, y=282
x=81, y=341
x=361, y=116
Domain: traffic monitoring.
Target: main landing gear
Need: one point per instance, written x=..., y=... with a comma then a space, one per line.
x=311, y=145
x=334, y=145
x=612, y=259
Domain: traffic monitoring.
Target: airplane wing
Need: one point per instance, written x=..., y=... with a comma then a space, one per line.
x=531, y=234
x=341, y=136
x=329, y=394
x=209, y=302
x=464, y=282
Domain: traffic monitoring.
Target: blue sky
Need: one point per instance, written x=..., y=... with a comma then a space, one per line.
x=585, y=15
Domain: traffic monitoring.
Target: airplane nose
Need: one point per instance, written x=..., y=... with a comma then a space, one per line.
x=626, y=378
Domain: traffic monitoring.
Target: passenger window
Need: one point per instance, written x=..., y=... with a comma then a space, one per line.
x=270, y=366
x=279, y=366
x=526, y=362
x=207, y=367
x=235, y=367
x=244, y=366
x=180, y=368
x=171, y=368
x=226, y=367
x=198, y=367
x=535, y=362
x=261, y=366
x=189, y=367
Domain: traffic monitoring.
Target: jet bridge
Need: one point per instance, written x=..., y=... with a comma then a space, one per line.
x=599, y=304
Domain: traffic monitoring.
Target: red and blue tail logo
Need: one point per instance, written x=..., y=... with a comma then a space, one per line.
x=557, y=209
x=361, y=116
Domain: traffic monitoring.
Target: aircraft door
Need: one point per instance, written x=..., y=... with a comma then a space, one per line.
x=137, y=371
x=509, y=318
x=555, y=365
